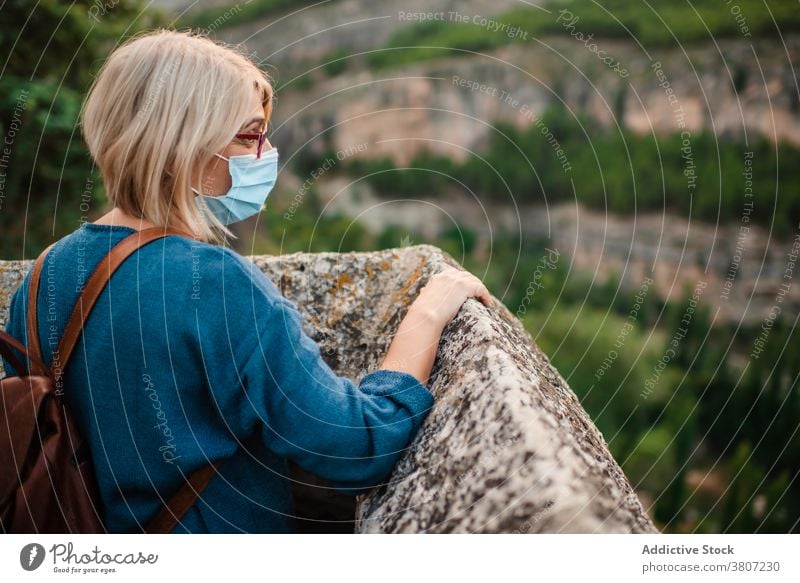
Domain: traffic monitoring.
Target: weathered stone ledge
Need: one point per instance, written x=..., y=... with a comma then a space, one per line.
x=507, y=447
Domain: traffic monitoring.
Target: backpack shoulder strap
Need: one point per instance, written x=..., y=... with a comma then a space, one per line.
x=94, y=287
x=171, y=513
x=7, y=342
x=34, y=352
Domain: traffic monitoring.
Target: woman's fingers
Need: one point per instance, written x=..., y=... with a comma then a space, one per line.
x=477, y=288
x=466, y=283
x=485, y=296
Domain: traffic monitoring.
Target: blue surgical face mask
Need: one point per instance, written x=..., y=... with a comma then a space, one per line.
x=252, y=179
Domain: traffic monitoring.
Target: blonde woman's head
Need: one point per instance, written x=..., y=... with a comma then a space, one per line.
x=159, y=109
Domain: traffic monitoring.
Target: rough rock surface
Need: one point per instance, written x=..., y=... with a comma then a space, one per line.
x=507, y=447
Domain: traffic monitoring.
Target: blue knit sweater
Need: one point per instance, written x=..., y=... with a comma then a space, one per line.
x=192, y=354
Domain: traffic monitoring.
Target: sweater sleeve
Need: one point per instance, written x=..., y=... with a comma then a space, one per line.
x=351, y=435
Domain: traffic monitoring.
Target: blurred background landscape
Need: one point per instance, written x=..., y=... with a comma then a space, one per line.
x=625, y=177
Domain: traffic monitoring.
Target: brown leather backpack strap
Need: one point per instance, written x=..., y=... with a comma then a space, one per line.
x=7, y=342
x=34, y=352
x=94, y=287
x=170, y=514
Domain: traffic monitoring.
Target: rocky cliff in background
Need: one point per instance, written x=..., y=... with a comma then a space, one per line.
x=507, y=447
x=734, y=87
x=731, y=86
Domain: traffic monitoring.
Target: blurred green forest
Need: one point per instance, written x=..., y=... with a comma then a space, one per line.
x=713, y=446
x=651, y=24
x=50, y=54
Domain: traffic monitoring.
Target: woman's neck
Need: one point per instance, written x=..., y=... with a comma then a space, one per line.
x=117, y=217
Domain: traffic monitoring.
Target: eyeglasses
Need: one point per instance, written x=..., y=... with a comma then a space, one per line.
x=262, y=137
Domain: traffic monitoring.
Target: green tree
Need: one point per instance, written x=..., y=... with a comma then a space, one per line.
x=52, y=49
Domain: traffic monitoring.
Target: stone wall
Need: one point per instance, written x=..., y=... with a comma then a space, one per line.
x=507, y=447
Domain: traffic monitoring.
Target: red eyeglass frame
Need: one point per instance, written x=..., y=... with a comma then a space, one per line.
x=261, y=137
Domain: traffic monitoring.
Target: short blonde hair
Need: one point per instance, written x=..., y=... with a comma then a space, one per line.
x=160, y=107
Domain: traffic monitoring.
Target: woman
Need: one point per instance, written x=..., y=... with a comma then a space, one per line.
x=191, y=354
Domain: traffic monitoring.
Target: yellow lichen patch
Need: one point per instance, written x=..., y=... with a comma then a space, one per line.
x=343, y=279
x=398, y=297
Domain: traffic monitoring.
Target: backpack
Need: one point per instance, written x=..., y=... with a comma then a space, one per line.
x=47, y=480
